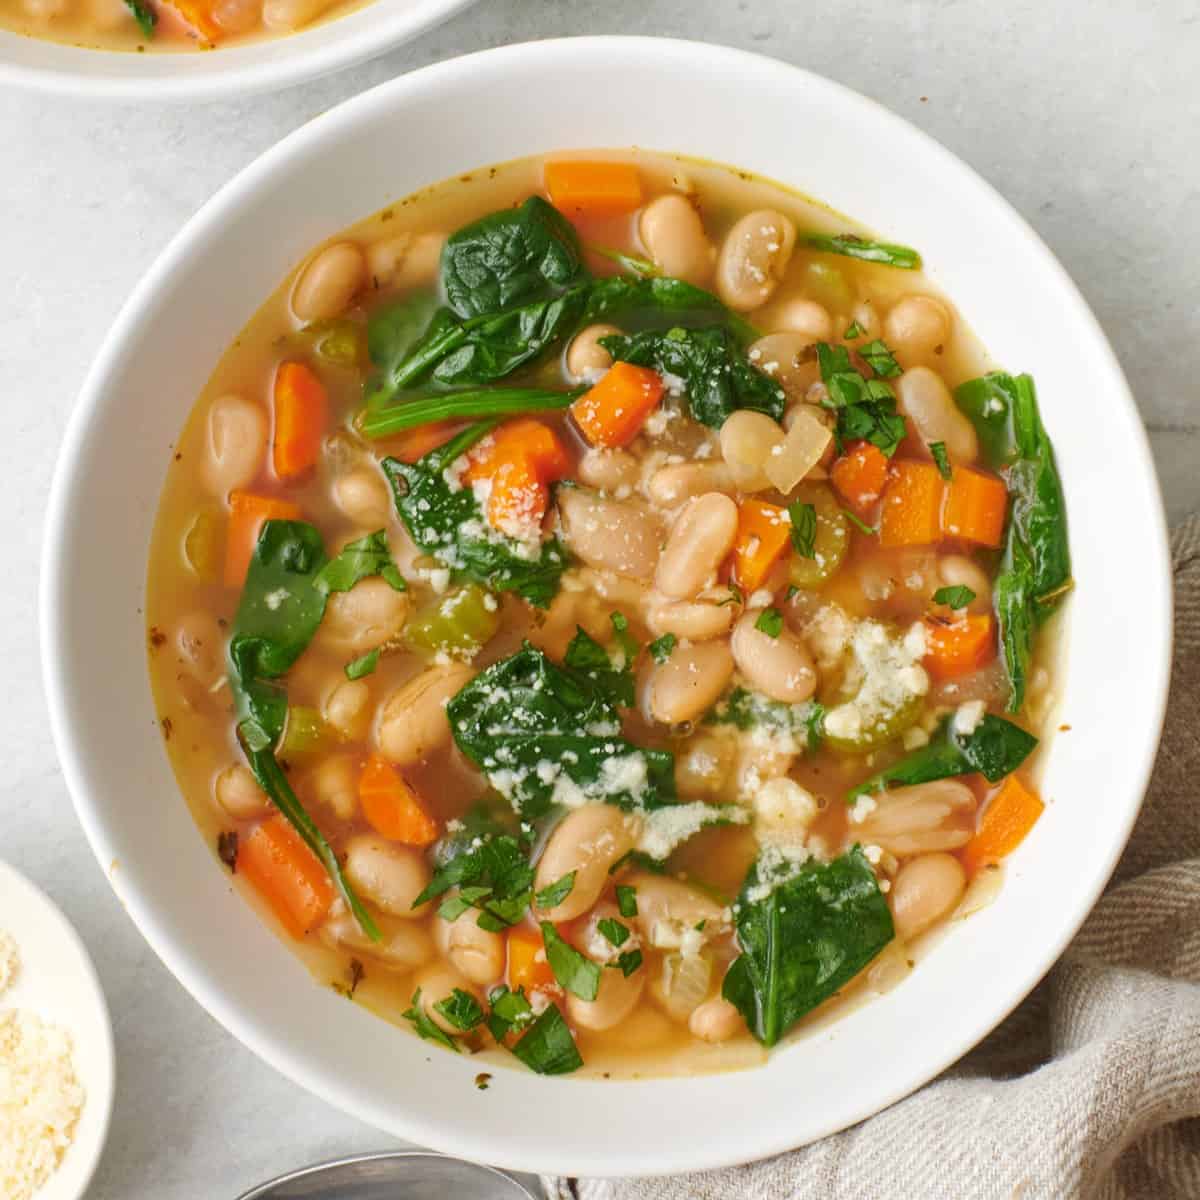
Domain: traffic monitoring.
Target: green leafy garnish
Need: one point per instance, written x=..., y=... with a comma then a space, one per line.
x=461, y=1009
x=880, y=359
x=770, y=622
x=643, y=268
x=628, y=961
x=941, y=458
x=548, y=1047
x=866, y=408
x=359, y=560
x=989, y=402
x=752, y=710
x=994, y=748
x=716, y=375
x=510, y=257
x=534, y=727
x=392, y=333
x=853, y=330
x=660, y=648
x=627, y=900
x=511, y=1012
x=576, y=973
x=461, y=406
x=955, y=597
x=425, y=1026
x=450, y=525
x=589, y=658
x=853, y=246
x=144, y=15
x=278, y=614
x=613, y=931
x=365, y=664
x=554, y=894
x=735, y=596
x=804, y=528
x=859, y=523
x=660, y=302
x=805, y=930
x=494, y=876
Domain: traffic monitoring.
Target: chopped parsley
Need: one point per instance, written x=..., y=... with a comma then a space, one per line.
x=425, y=1026
x=628, y=961
x=492, y=874
x=770, y=622
x=553, y=895
x=660, y=648
x=880, y=359
x=364, y=665
x=735, y=596
x=576, y=973
x=627, y=900
x=853, y=330
x=859, y=523
x=938, y=450
x=804, y=529
x=613, y=932
x=511, y=1012
x=461, y=1010
x=548, y=1047
x=954, y=597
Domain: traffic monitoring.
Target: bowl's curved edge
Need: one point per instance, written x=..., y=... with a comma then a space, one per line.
x=1157, y=597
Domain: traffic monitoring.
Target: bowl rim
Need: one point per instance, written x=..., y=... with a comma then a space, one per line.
x=321, y=49
x=482, y=1145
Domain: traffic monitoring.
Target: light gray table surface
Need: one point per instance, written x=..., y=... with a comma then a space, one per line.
x=1084, y=114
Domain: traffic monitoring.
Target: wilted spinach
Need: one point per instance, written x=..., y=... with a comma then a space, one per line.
x=448, y=523
x=745, y=709
x=716, y=375
x=805, y=930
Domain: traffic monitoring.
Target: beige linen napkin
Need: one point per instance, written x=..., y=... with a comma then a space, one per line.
x=1092, y=1087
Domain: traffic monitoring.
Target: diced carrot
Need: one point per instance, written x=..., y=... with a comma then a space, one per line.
x=606, y=188
x=286, y=873
x=959, y=645
x=415, y=443
x=860, y=474
x=526, y=437
x=527, y=965
x=199, y=15
x=975, y=508
x=1010, y=815
x=520, y=460
x=762, y=536
x=301, y=410
x=248, y=513
x=912, y=505
x=391, y=807
x=613, y=412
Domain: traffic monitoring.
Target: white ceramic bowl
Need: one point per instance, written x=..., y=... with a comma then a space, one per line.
x=723, y=105
x=232, y=72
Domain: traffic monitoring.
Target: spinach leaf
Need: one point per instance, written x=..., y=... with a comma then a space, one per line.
x=866, y=408
x=716, y=376
x=510, y=257
x=853, y=246
x=495, y=877
x=466, y=405
x=576, y=973
x=279, y=612
x=614, y=679
x=804, y=528
x=449, y=524
x=393, y=332
x=659, y=303
x=358, y=560
x=544, y=733
x=144, y=15
x=995, y=748
x=1035, y=572
x=989, y=401
x=805, y=930
x=548, y=1047
x=745, y=709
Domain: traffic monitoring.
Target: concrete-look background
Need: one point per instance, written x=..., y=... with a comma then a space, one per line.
x=1082, y=112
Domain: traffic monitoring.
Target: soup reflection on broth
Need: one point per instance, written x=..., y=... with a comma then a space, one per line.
x=599, y=612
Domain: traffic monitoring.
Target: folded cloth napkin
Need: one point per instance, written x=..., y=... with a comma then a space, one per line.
x=1091, y=1088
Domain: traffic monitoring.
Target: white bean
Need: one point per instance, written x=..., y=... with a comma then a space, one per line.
x=346, y=708
x=673, y=484
x=616, y=998
x=694, y=620
x=669, y=907
x=716, y=1020
x=804, y=317
x=920, y=818
x=586, y=358
x=364, y=497
x=748, y=439
x=703, y=763
x=925, y=890
x=412, y=724
x=673, y=233
x=235, y=444
x=404, y=945
x=689, y=683
x=405, y=260
x=609, y=470
x=917, y=328
x=477, y=953
x=334, y=781
x=956, y=570
x=371, y=613
x=609, y=534
x=390, y=875
x=333, y=277
x=779, y=667
x=924, y=398
x=587, y=841
x=753, y=258
x=238, y=793
x=701, y=537
x=782, y=356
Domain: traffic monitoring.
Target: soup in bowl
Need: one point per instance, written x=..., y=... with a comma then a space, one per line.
x=420, y=468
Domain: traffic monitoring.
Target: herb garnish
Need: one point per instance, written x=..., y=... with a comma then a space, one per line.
x=880, y=359
x=866, y=408
x=553, y=895
x=359, y=560
x=770, y=622
x=660, y=648
x=942, y=459
x=859, y=523
x=425, y=1026
x=576, y=973
x=853, y=246
x=628, y=961
x=144, y=15
x=365, y=664
x=853, y=330
x=493, y=875
x=460, y=1009
x=955, y=597
x=548, y=1047
x=627, y=900
x=613, y=931
x=804, y=528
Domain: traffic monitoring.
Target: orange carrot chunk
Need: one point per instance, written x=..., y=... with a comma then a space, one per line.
x=762, y=536
x=391, y=807
x=413, y=444
x=912, y=505
x=602, y=188
x=612, y=413
x=975, y=507
x=1011, y=814
x=300, y=416
x=286, y=873
x=859, y=475
x=248, y=513
x=199, y=15
x=527, y=965
x=522, y=437
x=519, y=461
x=959, y=645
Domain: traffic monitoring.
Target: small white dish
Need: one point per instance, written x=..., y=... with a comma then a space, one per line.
x=57, y=982
x=222, y=74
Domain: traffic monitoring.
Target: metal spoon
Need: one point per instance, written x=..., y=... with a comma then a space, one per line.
x=397, y=1175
